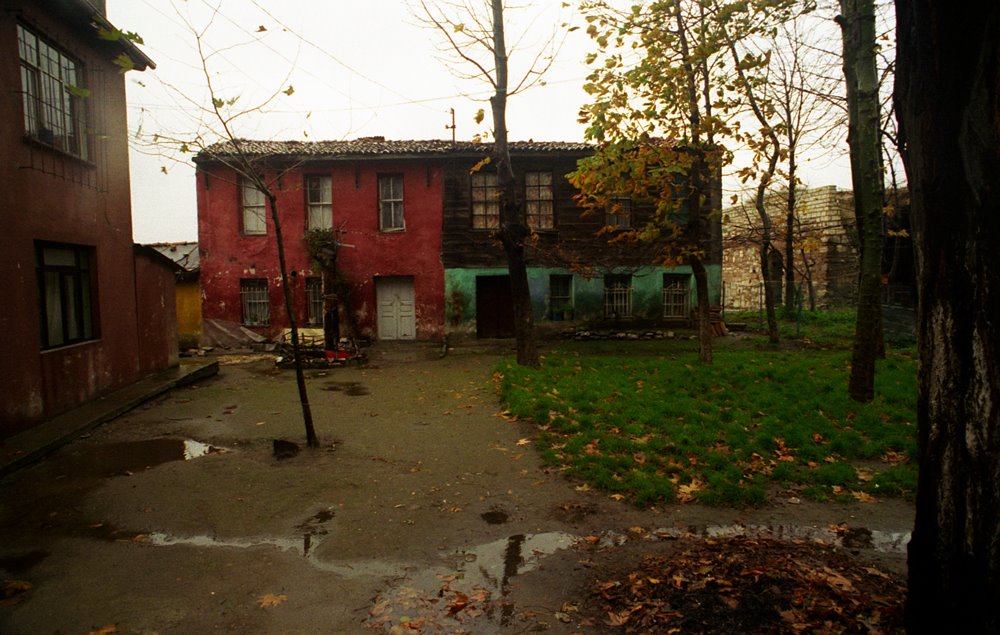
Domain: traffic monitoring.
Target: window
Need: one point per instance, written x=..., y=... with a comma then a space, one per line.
x=485, y=201
x=676, y=291
x=319, y=202
x=619, y=213
x=255, y=303
x=390, y=203
x=65, y=293
x=253, y=209
x=52, y=94
x=617, y=296
x=538, y=199
x=560, y=295
x=314, y=301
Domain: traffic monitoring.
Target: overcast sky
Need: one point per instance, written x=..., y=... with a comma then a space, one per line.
x=357, y=69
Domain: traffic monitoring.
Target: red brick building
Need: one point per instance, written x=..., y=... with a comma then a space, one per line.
x=83, y=303
x=385, y=199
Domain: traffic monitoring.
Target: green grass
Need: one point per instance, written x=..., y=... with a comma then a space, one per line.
x=661, y=426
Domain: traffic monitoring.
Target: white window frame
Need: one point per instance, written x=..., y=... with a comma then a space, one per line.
x=617, y=296
x=390, y=203
x=319, y=202
x=254, y=208
x=538, y=200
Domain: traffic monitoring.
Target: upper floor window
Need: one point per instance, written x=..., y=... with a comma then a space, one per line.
x=619, y=212
x=253, y=204
x=52, y=94
x=390, y=202
x=319, y=201
x=65, y=293
x=485, y=201
x=538, y=200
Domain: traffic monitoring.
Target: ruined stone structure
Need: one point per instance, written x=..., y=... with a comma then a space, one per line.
x=826, y=254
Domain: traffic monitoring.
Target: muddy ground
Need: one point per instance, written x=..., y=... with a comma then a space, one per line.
x=422, y=512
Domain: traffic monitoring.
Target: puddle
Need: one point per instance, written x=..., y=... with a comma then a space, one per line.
x=494, y=517
x=17, y=565
x=349, y=388
x=126, y=457
x=845, y=537
x=313, y=526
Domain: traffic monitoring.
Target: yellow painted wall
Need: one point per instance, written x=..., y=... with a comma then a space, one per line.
x=188, y=312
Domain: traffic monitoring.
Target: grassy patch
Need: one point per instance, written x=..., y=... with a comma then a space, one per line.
x=665, y=427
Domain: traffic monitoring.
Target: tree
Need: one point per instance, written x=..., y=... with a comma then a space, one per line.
x=857, y=23
x=216, y=139
x=666, y=73
x=947, y=99
x=478, y=38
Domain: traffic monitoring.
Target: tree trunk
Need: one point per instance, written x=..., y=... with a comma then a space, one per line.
x=311, y=439
x=790, y=231
x=857, y=23
x=513, y=231
x=948, y=102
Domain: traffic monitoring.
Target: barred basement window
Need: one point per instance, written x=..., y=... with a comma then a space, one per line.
x=314, y=301
x=560, y=295
x=52, y=94
x=617, y=296
x=676, y=292
x=254, y=301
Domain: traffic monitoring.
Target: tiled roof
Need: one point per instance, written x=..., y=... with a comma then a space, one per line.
x=376, y=147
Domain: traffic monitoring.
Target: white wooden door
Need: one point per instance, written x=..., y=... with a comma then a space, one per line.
x=397, y=316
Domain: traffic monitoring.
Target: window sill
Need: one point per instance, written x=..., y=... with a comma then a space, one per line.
x=394, y=230
x=64, y=347
x=38, y=143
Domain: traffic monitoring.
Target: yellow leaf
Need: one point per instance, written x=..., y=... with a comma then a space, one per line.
x=107, y=630
x=524, y=441
x=270, y=599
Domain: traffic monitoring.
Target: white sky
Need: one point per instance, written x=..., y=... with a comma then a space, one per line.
x=358, y=68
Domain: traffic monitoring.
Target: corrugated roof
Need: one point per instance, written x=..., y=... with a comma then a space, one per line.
x=184, y=254
x=377, y=147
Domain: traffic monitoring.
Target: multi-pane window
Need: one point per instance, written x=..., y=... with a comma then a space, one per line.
x=252, y=200
x=538, y=200
x=619, y=213
x=52, y=94
x=617, y=296
x=676, y=291
x=560, y=294
x=65, y=293
x=319, y=202
x=254, y=302
x=390, y=202
x=485, y=201
x=314, y=301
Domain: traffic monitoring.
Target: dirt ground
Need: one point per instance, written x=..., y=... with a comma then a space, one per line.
x=422, y=512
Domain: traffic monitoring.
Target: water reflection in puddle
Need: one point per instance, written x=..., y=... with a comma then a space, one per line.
x=126, y=457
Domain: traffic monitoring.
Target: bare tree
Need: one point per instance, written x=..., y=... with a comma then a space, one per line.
x=476, y=34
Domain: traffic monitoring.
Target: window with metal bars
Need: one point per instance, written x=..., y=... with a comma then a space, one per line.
x=617, y=296
x=485, y=201
x=538, y=200
x=254, y=301
x=53, y=94
x=676, y=295
x=314, y=301
x=319, y=201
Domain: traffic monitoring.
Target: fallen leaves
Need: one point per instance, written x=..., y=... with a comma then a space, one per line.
x=104, y=630
x=269, y=600
x=754, y=585
x=12, y=591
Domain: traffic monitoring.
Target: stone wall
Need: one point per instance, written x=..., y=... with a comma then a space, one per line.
x=825, y=249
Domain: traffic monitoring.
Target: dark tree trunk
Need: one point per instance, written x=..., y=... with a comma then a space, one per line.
x=948, y=102
x=513, y=231
x=311, y=439
x=857, y=23
x=790, y=231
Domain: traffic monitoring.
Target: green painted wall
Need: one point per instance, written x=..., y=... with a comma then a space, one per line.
x=588, y=294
